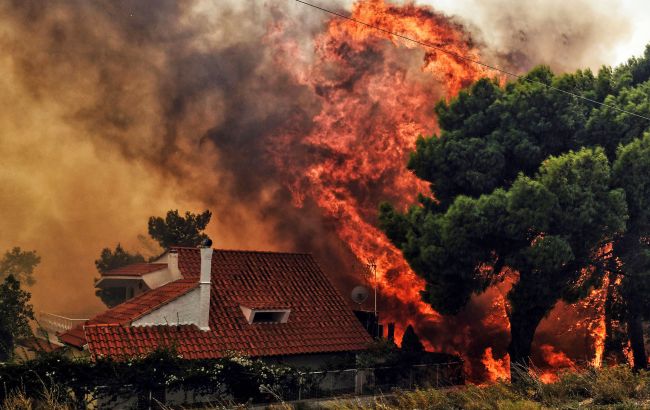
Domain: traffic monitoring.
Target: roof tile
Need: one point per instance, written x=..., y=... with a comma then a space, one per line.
x=320, y=320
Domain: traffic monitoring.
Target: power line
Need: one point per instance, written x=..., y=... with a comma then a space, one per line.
x=471, y=60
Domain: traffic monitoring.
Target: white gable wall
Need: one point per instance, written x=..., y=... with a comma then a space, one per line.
x=160, y=277
x=180, y=311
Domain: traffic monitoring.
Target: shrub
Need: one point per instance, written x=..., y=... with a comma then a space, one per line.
x=613, y=385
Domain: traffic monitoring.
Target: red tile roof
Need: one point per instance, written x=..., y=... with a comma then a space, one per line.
x=74, y=337
x=320, y=320
x=136, y=269
x=132, y=309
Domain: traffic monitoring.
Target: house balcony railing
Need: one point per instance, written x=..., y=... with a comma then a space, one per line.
x=55, y=323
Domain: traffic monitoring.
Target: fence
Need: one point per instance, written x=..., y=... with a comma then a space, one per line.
x=314, y=385
x=378, y=380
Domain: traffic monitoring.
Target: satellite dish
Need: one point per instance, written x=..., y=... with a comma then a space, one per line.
x=360, y=294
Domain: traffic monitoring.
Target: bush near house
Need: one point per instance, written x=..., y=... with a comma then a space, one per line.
x=76, y=382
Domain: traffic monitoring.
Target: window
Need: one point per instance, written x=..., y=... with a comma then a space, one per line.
x=255, y=316
x=267, y=317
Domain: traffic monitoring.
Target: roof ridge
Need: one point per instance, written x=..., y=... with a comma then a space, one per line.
x=246, y=251
x=102, y=325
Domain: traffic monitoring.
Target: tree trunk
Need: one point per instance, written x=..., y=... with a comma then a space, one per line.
x=523, y=324
x=613, y=340
x=635, y=333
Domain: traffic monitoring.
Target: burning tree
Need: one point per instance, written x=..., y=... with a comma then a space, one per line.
x=631, y=170
x=498, y=213
x=548, y=228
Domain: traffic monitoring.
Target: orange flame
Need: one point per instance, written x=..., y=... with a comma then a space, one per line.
x=497, y=369
x=556, y=359
x=597, y=327
x=374, y=106
x=548, y=377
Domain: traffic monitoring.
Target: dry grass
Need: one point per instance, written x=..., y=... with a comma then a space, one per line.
x=17, y=400
x=49, y=398
x=609, y=388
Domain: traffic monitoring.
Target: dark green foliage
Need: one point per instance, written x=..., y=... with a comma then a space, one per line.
x=109, y=260
x=15, y=314
x=411, y=341
x=609, y=128
x=540, y=225
x=381, y=352
x=489, y=135
x=178, y=230
x=634, y=72
x=20, y=264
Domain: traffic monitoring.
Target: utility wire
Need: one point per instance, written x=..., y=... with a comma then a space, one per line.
x=471, y=60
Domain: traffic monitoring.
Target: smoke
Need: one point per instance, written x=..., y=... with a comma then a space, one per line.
x=567, y=35
x=113, y=111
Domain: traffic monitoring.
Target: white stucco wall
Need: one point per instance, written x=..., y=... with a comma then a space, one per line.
x=181, y=311
x=160, y=277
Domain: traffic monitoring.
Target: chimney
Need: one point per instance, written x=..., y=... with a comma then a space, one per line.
x=206, y=278
x=172, y=264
